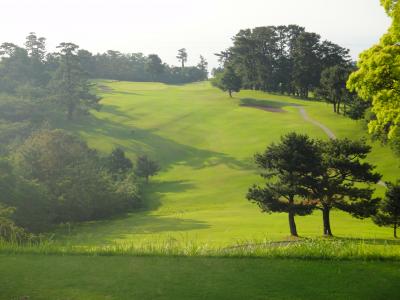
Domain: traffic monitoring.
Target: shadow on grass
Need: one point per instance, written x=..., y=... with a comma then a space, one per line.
x=154, y=192
x=127, y=93
x=114, y=110
x=169, y=153
x=141, y=222
x=269, y=105
x=166, y=151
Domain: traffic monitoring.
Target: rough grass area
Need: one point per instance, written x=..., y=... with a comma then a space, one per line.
x=92, y=278
x=310, y=249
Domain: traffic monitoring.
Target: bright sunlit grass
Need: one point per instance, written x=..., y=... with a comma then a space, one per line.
x=205, y=142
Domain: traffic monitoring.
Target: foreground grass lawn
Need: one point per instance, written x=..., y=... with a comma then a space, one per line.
x=205, y=143
x=87, y=278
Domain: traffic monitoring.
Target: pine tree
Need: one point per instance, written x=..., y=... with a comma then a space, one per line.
x=182, y=56
x=145, y=167
x=228, y=80
x=70, y=83
x=287, y=167
x=339, y=180
x=389, y=209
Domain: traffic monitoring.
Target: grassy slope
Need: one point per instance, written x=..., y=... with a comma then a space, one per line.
x=205, y=143
x=89, y=278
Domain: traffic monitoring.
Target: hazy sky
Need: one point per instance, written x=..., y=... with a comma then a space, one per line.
x=201, y=26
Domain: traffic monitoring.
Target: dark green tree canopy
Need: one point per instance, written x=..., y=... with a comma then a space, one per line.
x=287, y=167
x=228, y=81
x=284, y=59
x=155, y=66
x=389, y=209
x=70, y=83
x=182, y=56
x=333, y=86
x=203, y=67
x=342, y=179
x=145, y=167
x=118, y=163
x=68, y=180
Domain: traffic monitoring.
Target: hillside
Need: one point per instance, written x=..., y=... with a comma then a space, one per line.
x=205, y=142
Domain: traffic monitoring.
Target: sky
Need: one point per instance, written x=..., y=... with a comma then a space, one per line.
x=201, y=26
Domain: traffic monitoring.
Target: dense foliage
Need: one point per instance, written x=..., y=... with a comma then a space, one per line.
x=377, y=80
x=227, y=81
x=56, y=178
x=145, y=167
x=286, y=166
x=48, y=176
x=138, y=67
x=341, y=180
x=303, y=174
x=333, y=89
x=284, y=59
x=389, y=209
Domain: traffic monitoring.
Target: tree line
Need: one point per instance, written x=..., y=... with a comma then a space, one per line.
x=138, y=67
x=34, y=65
x=289, y=60
x=303, y=174
x=47, y=175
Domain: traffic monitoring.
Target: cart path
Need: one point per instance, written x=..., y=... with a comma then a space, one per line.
x=328, y=132
x=305, y=116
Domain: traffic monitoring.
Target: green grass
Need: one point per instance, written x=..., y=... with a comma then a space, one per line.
x=90, y=278
x=310, y=249
x=197, y=236
x=205, y=142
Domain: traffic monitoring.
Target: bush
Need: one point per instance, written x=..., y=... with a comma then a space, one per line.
x=60, y=179
x=9, y=232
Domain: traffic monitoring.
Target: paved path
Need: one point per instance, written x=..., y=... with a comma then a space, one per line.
x=305, y=116
x=328, y=132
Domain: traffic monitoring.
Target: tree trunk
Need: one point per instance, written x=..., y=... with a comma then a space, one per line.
x=70, y=112
x=338, y=108
x=292, y=224
x=326, y=221
x=334, y=107
x=395, y=230
x=230, y=93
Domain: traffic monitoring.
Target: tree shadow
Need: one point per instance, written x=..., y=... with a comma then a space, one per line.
x=141, y=222
x=112, y=110
x=108, y=90
x=155, y=190
x=167, y=152
x=127, y=93
x=124, y=227
x=272, y=105
x=104, y=89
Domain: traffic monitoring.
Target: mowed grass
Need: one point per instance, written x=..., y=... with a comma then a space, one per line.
x=205, y=144
x=184, y=243
x=92, y=278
